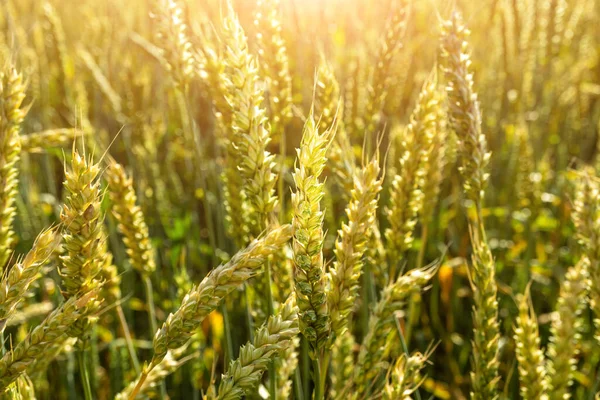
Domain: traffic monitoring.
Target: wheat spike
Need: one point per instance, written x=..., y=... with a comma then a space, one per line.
x=342, y=365
x=309, y=276
x=207, y=295
x=15, y=284
x=465, y=119
x=169, y=364
x=381, y=324
x=81, y=264
x=12, y=94
x=405, y=377
x=587, y=221
x=250, y=135
x=532, y=373
x=131, y=220
x=351, y=244
x=274, y=61
x=43, y=337
x=270, y=340
x=406, y=197
x=566, y=329
x=380, y=81
x=463, y=107
x=38, y=141
x=173, y=40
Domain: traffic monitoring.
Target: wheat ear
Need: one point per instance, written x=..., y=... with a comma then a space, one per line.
x=587, y=221
x=465, y=120
x=249, y=123
x=406, y=196
x=390, y=45
x=173, y=40
x=81, y=265
x=533, y=382
x=566, y=330
x=309, y=276
x=274, y=59
x=12, y=94
x=381, y=324
x=342, y=365
x=15, y=284
x=463, y=107
x=405, y=377
x=270, y=340
x=42, y=339
x=169, y=364
x=206, y=296
x=131, y=220
x=38, y=141
x=351, y=245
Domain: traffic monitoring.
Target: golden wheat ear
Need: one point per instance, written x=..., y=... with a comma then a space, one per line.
x=271, y=340
x=307, y=222
x=533, y=380
x=12, y=113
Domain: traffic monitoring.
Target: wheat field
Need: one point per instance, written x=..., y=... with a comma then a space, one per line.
x=300, y=199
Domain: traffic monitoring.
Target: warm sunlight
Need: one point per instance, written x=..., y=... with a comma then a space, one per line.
x=299, y=199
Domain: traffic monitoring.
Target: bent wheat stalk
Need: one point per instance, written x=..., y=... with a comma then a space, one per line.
x=206, y=296
x=15, y=284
